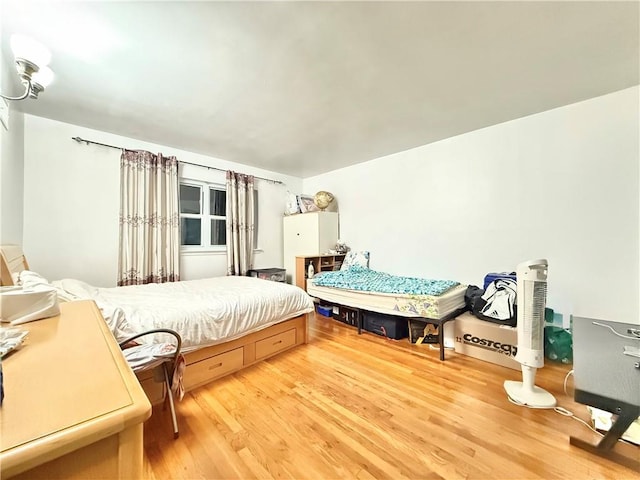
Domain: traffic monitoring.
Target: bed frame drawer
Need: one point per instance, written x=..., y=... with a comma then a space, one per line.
x=274, y=344
x=213, y=367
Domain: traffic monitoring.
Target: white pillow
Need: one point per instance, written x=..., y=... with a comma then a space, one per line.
x=65, y=296
x=73, y=289
x=29, y=279
x=32, y=280
x=355, y=258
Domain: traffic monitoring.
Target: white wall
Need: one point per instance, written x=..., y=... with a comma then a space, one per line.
x=561, y=185
x=11, y=179
x=72, y=202
x=11, y=159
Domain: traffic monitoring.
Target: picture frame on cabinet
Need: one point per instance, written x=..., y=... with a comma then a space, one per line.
x=306, y=204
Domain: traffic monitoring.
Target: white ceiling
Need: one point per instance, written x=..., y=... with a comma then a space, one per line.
x=307, y=87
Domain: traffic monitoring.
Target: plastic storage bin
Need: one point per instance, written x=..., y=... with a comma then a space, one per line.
x=389, y=326
x=273, y=274
x=346, y=315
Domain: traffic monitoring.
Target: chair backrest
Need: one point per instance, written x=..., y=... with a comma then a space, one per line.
x=145, y=356
x=145, y=360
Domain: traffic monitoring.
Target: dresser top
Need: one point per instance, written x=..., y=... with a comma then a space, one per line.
x=66, y=386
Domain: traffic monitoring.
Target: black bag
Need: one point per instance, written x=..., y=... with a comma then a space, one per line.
x=473, y=299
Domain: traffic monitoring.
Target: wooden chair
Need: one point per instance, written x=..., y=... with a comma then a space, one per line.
x=168, y=363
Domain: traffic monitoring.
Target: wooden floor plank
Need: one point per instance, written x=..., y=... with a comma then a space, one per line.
x=354, y=406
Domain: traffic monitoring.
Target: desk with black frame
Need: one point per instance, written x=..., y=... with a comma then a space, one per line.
x=607, y=377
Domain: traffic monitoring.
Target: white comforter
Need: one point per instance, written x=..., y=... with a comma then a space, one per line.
x=204, y=312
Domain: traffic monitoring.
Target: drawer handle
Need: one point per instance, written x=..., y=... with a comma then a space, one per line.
x=279, y=341
x=215, y=366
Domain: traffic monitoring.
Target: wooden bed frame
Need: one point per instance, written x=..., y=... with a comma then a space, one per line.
x=12, y=260
x=209, y=363
x=205, y=364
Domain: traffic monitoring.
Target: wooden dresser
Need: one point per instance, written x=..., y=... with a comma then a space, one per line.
x=73, y=408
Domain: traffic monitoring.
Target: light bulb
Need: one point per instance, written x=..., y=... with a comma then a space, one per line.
x=31, y=50
x=43, y=77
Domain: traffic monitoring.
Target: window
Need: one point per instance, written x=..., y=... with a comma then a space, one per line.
x=203, y=210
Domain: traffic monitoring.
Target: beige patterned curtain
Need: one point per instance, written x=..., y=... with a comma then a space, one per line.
x=240, y=227
x=149, y=219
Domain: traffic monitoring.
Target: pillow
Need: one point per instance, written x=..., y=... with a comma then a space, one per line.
x=65, y=296
x=73, y=289
x=29, y=279
x=355, y=258
x=34, y=281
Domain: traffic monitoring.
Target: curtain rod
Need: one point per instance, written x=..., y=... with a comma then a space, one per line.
x=87, y=142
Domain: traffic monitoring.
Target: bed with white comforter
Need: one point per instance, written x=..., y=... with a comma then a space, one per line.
x=226, y=323
x=204, y=312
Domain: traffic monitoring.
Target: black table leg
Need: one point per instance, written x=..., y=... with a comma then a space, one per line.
x=627, y=414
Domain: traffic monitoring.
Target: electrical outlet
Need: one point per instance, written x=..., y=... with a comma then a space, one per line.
x=4, y=113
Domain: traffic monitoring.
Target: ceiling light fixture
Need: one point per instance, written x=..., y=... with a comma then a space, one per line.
x=32, y=59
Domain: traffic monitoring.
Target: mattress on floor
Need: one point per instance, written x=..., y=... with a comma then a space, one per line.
x=425, y=306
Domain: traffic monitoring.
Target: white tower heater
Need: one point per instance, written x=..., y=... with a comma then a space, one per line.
x=531, y=279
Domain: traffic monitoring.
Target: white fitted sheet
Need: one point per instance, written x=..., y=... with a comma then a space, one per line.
x=204, y=312
x=425, y=306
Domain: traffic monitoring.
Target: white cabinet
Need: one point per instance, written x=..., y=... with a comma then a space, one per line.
x=310, y=234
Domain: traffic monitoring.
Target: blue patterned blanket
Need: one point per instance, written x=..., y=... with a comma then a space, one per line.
x=364, y=279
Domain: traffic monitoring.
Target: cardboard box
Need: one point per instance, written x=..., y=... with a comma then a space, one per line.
x=486, y=341
x=421, y=331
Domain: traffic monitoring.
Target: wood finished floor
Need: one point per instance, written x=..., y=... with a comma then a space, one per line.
x=347, y=406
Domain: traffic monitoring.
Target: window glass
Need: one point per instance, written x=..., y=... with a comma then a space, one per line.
x=218, y=232
x=217, y=202
x=189, y=199
x=190, y=231
x=203, y=210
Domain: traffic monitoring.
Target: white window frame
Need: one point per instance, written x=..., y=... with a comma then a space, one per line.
x=205, y=226
x=204, y=216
